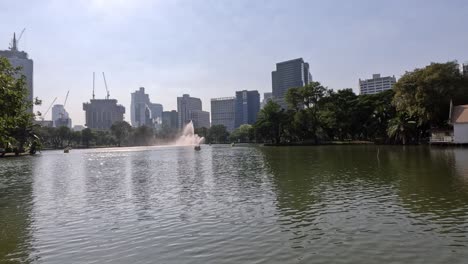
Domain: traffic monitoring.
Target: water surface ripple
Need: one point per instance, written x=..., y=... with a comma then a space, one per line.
x=328, y=204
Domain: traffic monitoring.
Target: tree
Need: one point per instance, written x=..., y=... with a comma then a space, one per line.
x=87, y=136
x=202, y=132
x=424, y=94
x=143, y=136
x=337, y=114
x=305, y=102
x=270, y=123
x=218, y=134
x=245, y=133
x=104, y=138
x=63, y=134
x=371, y=116
x=401, y=129
x=121, y=131
x=16, y=128
x=75, y=137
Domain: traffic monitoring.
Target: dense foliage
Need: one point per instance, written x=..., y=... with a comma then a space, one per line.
x=120, y=134
x=16, y=126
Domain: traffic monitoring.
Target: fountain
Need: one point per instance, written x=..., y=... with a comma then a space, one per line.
x=188, y=137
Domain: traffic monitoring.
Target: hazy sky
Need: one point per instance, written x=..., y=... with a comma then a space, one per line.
x=212, y=48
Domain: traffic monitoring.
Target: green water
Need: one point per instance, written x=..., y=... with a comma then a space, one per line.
x=327, y=204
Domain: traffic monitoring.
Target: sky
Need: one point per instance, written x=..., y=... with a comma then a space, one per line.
x=212, y=48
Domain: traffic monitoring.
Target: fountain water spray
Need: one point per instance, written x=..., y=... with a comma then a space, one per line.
x=188, y=137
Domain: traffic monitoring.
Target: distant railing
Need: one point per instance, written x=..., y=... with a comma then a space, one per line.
x=439, y=139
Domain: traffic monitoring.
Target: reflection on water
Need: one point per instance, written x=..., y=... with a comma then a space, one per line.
x=16, y=203
x=236, y=205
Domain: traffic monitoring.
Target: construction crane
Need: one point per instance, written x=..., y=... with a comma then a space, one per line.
x=66, y=97
x=93, y=85
x=105, y=83
x=21, y=34
x=64, y=103
x=48, y=109
x=15, y=41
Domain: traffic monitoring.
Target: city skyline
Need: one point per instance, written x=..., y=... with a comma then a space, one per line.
x=146, y=43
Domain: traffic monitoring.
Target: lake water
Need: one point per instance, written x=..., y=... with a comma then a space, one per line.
x=327, y=204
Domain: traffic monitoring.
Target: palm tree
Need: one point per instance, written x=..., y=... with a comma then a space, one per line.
x=401, y=128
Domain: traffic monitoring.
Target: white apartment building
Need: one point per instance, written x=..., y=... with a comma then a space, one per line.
x=377, y=84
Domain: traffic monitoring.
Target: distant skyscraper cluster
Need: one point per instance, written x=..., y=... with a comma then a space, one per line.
x=143, y=112
x=190, y=109
x=232, y=112
x=377, y=84
x=245, y=106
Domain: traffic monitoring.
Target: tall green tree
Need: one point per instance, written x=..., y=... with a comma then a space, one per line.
x=121, y=130
x=75, y=137
x=63, y=134
x=218, y=134
x=270, y=123
x=337, y=114
x=87, y=136
x=16, y=128
x=424, y=94
x=305, y=101
x=372, y=115
x=244, y=133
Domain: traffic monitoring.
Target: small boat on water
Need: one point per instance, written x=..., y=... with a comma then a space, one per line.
x=197, y=148
x=66, y=150
x=233, y=144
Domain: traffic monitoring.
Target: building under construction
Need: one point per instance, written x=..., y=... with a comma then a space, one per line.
x=102, y=113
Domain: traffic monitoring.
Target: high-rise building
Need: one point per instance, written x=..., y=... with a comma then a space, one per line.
x=247, y=107
x=102, y=113
x=266, y=98
x=200, y=118
x=377, y=84
x=142, y=111
x=223, y=112
x=170, y=119
x=20, y=59
x=185, y=106
x=156, y=113
x=60, y=116
x=289, y=74
x=44, y=123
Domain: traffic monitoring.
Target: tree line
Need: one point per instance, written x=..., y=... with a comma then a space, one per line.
x=418, y=103
x=120, y=134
